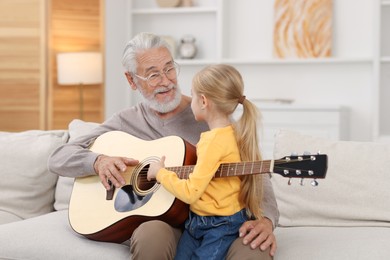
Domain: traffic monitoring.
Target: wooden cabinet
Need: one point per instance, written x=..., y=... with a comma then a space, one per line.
x=32, y=32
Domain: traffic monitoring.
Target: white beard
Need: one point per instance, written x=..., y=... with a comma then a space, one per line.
x=166, y=106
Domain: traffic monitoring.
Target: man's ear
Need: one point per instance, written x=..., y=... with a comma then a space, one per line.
x=130, y=79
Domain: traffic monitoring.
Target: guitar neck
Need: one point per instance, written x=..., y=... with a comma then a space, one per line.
x=229, y=169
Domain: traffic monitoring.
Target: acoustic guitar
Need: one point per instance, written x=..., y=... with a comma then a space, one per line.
x=112, y=216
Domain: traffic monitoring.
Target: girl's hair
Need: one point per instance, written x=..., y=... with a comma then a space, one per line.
x=141, y=42
x=224, y=85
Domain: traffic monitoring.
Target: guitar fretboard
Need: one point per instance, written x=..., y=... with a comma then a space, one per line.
x=229, y=169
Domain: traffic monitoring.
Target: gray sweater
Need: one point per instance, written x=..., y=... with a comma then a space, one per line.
x=74, y=159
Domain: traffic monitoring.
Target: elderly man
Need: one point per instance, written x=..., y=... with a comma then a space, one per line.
x=150, y=68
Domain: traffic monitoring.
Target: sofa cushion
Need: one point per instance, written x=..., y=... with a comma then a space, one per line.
x=308, y=243
x=8, y=217
x=65, y=184
x=355, y=191
x=50, y=237
x=26, y=186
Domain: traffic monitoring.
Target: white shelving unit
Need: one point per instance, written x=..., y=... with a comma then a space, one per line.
x=382, y=72
x=147, y=16
x=240, y=33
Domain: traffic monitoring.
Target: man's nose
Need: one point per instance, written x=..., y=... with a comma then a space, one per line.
x=164, y=78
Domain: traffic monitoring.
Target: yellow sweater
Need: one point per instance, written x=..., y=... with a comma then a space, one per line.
x=206, y=195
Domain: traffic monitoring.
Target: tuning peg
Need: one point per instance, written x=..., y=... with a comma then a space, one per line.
x=294, y=154
x=289, y=181
x=314, y=183
x=319, y=152
x=301, y=182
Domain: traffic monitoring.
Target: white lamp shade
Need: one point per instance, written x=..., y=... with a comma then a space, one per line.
x=75, y=68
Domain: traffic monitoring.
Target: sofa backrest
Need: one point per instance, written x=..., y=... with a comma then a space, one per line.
x=26, y=186
x=64, y=187
x=355, y=192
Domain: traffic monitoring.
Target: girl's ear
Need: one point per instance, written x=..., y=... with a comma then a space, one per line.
x=204, y=101
x=130, y=79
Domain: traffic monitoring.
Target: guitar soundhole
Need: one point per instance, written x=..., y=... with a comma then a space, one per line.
x=138, y=192
x=142, y=181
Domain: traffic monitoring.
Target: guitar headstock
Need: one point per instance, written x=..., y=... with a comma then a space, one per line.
x=302, y=166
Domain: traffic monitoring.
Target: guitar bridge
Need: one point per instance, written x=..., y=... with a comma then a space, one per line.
x=110, y=192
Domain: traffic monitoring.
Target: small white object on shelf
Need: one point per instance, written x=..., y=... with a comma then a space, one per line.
x=187, y=47
x=168, y=3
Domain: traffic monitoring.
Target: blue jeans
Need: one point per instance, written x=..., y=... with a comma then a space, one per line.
x=209, y=237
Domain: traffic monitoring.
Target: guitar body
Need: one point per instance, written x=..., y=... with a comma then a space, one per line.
x=93, y=214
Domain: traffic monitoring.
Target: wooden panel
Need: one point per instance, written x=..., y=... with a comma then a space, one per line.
x=22, y=65
x=76, y=26
x=30, y=96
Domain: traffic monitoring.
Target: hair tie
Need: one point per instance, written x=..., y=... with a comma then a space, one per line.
x=241, y=99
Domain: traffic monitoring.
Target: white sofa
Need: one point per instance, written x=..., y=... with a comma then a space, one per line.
x=33, y=202
x=346, y=217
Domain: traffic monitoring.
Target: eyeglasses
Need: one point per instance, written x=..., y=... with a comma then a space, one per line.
x=156, y=78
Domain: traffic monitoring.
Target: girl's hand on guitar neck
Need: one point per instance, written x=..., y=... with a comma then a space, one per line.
x=154, y=167
x=110, y=169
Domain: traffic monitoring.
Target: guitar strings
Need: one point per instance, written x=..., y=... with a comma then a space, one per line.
x=142, y=176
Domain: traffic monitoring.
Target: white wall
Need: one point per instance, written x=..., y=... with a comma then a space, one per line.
x=248, y=36
x=117, y=90
x=249, y=25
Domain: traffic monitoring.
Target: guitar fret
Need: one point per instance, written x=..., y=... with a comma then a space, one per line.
x=261, y=166
x=218, y=172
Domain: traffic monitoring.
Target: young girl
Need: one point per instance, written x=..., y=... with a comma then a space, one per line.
x=218, y=206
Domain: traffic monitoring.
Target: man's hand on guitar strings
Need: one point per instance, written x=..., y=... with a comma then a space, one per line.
x=154, y=167
x=111, y=168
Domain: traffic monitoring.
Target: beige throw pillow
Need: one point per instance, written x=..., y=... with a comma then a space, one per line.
x=65, y=184
x=26, y=186
x=355, y=192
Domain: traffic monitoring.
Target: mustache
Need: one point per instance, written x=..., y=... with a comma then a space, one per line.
x=164, y=89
